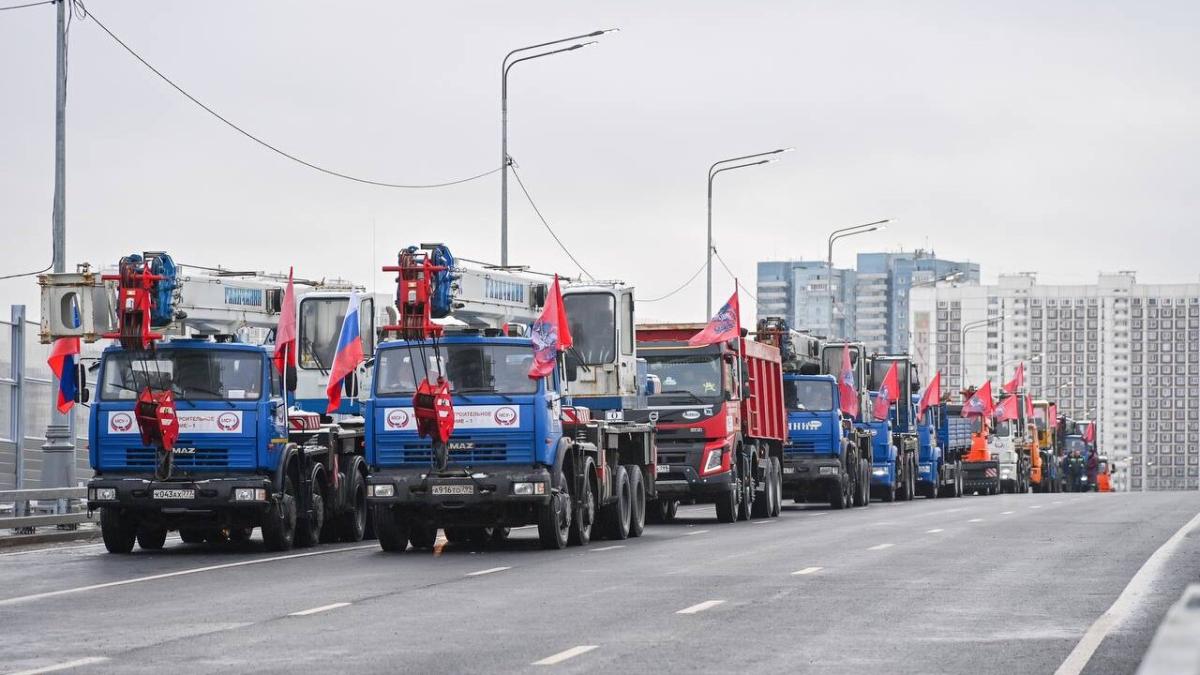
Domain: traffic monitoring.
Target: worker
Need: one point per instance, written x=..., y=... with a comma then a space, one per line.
x=1076, y=472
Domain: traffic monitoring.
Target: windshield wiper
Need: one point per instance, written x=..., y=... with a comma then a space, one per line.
x=695, y=398
x=219, y=397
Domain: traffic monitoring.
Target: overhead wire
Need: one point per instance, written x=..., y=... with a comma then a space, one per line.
x=28, y=4
x=735, y=278
x=414, y=186
x=546, y=224
x=681, y=287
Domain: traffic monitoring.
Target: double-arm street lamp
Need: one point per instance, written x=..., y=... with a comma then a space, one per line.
x=505, y=66
x=841, y=234
x=716, y=168
x=962, y=344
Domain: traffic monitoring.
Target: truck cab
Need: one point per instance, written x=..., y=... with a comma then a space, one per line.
x=894, y=471
x=814, y=455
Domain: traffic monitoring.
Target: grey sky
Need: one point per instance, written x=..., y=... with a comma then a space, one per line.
x=1060, y=137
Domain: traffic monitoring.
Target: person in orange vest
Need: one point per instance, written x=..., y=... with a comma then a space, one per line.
x=1104, y=477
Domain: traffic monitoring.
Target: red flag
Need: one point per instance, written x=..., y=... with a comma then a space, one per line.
x=931, y=397
x=887, y=394
x=551, y=334
x=1018, y=380
x=981, y=403
x=725, y=325
x=62, y=364
x=1029, y=407
x=847, y=390
x=1089, y=434
x=285, y=332
x=1007, y=410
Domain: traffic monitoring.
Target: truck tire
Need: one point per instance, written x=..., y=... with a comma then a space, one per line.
x=391, y=528
x=152, y=538
x=422, y=535
x=761, y=506
x=190, y=536
x=119, y=531
x=837, y=495
x=309, y=526
x=240, y=535
x=616, y=515
x=583, y=516
x=279, y=522
x=746, y=483
x=777, y=501
x=862, y=485
x=351, y=524
x=727, y=505
x=889, y=494
x=637, y=511
x=554, y=518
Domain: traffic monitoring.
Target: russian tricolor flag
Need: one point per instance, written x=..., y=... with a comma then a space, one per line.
x=347, y=357
x=62, y=364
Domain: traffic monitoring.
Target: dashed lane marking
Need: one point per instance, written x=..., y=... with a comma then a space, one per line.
x=1036, y=506
x=934, y=530
x=700, y=607
x=490, y=570
x=975, y=520
x=1007, y=513
x=880, y=547
x=608, y=548
x=565, y=654
x=688, y=534
x=318, y=610
x=807, y=570
x=77, y=663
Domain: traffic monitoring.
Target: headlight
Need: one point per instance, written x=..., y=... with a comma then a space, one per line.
x=713, y=461
x=537, y=488
x=383, y=490
x=249, y=495
x=1005, y=473
x=102, y=494
x=879, y=472
x=925, y=468
x=829, y=471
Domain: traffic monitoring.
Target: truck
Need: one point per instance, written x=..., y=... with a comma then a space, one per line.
x=955, y=434
x=894, y=458
x=1045, y=416
x=720, y=420
x=981, y=468
x=191, y=428
x=826, y=457
x=939, y=473
x=522, y=450
x=1010, y=443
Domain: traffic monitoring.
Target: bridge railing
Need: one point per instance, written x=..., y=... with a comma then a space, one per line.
x=24, y=510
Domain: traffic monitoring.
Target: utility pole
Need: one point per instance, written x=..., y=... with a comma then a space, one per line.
x=58, y=453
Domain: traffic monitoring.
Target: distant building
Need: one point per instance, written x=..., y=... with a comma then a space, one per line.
x=798, y=290
x=882, y=293
x=1123, y=353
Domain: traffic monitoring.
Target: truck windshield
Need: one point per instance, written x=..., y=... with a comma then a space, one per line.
x=1003, y=429
x=193, y=374
x=808, y=395
x=593, y=321
x=686, y=376
x=471, y=368
x=831, y=361
x=321, y=323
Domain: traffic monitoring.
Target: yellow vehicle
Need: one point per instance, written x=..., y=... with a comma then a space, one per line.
x=1045, y=420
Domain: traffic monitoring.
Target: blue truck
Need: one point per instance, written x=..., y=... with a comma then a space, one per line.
x=239, y=459
x=894, y=458
x=827, y=457
x=944, y=440
x=523, y=451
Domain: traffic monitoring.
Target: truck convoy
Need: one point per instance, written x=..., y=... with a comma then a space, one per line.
x=720, y=420
x=826, y=457
x=190, y=429
x=552, y=451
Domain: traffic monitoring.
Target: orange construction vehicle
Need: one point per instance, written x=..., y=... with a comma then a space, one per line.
x=981, y=470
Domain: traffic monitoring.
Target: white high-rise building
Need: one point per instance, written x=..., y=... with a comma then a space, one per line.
x=1122, y=353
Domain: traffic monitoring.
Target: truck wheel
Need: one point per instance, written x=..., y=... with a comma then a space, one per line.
x=746, y=484
x=391, y=528
x=308, y=527
x=119, y=530
x=498, y=535
x=727, y=505
x=352, y=523
x=761, y=504
x=862, y=490
x=151, y=539
x=889, y=493
x=670, y=509
x=279, y=523
x=777, y=500
x=422, y=535
x=584, y=515
x=637, y=510
x=554, y=518
x=837, y=496
x=240, y=535
x=617, y=514
x=192, y=536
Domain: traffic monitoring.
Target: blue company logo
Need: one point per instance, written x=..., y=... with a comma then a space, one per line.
x=245, y=297
x=811, y=425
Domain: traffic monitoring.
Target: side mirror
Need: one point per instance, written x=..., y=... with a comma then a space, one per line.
x=289, y=379
x=81, y=391
x=350, y=385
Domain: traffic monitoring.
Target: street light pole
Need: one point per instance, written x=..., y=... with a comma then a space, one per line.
x=962, y=344
x=712, y=173
x=834, y=236
x=505, y=66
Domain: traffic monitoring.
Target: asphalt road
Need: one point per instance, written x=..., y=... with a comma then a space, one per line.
x=1004, y=584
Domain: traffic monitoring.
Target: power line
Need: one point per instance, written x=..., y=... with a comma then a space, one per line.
x=29, y=4
x=735, y=279
x=685, y=285
x=260, y=141
x=548, y=228
x=27, y=274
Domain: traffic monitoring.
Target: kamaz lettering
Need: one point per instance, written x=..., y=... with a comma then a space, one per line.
x=245, y=297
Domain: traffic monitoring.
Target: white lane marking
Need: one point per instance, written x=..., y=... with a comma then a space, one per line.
x=688, y=534
x=1137, y=588
x=819, y=513
x=1036, y=506
x=565, y=654
x=318, y=610
x=608, y=548
x=934, y=530
x=807, y=570
x=700, y=607
x=1007, y=513
x=762, y=522
x=1127, y=601
x=975, y=520
x=180, y=573
x=77, y=663
x=1056, y=502
x=880, y=547
x=490, y=570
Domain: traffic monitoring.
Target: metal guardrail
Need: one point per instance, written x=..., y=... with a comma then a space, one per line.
x=22, y=519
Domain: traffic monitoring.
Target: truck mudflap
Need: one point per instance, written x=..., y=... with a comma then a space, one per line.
x=484, y=496
x=981, y=476
x=805, y=477
x=216, y=499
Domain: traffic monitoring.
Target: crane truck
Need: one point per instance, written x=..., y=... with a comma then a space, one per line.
x=826, y=458
x=1045, y=416
x=720, y=420
x=896, y=470
x=554, y=451
x=1009, y=443
x=191, y=429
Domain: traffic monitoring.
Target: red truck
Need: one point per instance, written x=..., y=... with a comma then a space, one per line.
x=720, y=420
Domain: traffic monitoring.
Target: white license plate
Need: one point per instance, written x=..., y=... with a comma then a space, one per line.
x=453, y=489
x=662, y=468
x=174, y=494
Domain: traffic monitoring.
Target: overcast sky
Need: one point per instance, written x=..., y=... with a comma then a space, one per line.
x=1056, y=137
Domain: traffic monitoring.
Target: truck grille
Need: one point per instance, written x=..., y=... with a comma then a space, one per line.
x=492, y=450
x=203, y=458
x=797, y=447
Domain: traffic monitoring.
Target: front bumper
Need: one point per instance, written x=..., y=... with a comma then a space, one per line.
x=487, y=496
x=804, y=475
x=683, y=482
x=212, y=499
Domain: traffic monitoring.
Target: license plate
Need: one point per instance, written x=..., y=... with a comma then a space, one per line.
x=662, y=468
x=453, y=489
x=789, y=469
x=174, y=494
